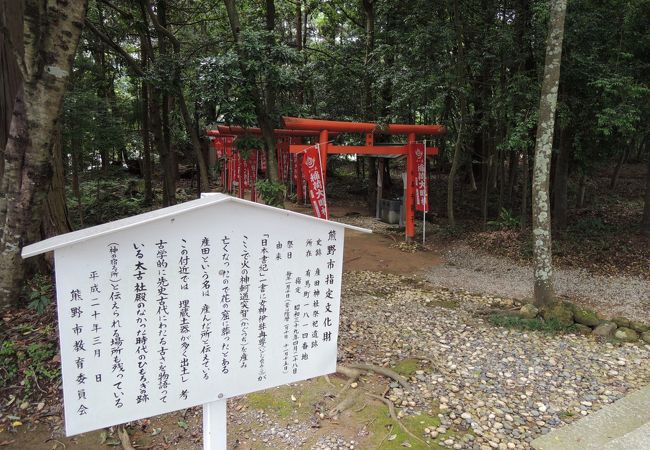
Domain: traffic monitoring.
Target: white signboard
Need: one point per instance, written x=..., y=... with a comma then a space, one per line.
x=192, y=307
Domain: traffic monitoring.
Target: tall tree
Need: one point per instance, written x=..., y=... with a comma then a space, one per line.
x=645, y=222
x=263, y=94
x=51, y=31
x=543, y=149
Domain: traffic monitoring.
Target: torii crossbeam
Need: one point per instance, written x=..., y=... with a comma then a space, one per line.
x=326, y=127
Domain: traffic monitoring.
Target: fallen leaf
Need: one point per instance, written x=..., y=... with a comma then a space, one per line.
x=406, y=444
x=156, y=431
x=183, y=424
x=16, y=423
x=3, y=443
x=392, y=437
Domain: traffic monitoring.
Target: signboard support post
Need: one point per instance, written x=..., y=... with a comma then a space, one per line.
x=215, y=420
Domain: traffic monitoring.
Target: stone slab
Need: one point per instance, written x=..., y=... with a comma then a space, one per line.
x=638, y=439
x=598, y=429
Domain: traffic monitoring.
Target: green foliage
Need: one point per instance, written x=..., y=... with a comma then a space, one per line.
x=246, y=143
x=536, y=324
x=272, y=193
x=506, y=221
x=27, y=364
x=39, y=293
x=106, y=199
x=590, y=226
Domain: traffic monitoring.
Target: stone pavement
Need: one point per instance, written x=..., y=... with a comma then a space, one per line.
x=622, y=425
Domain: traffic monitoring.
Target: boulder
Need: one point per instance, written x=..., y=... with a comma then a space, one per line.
x=605, y=328
x=639, y=326
x=645, y=337
x=621, y=321
x=586, y=317
x=582, y=329
x=528, y=311
x=560, y=313
x=626, y=334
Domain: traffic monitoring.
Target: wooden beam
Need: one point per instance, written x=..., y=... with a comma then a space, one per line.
x=297, y=123
x=362, y=149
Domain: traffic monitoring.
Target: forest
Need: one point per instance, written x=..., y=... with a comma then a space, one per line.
x=148, y=80
x=106, y=108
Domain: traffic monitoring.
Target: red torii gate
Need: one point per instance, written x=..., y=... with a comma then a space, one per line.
x=326, y=127
x=282, y=137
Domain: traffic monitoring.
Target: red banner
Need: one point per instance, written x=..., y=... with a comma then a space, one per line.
x=311, y=169
x=421, y=182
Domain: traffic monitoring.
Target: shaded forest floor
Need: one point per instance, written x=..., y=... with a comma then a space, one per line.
x=414, y=309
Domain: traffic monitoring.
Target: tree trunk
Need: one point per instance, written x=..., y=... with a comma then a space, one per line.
x=28, y=155
x=167, y=169
x=55, y=218
x=525, y=170
x=560, y=183
x=512, y=177
x=582, y=188
x=76, y=165
x=645, y=223
x=264, y=101
x=544, y=293
x=455, y=163
x=146, y=141
x=617, y=170
x=160, y=23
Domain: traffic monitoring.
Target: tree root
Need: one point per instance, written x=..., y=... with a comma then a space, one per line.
x=388, y=373
x=393, y=415
x=344, y=404
x=124, y=438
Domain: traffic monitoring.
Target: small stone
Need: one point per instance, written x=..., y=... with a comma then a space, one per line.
x=621, y=321
x=586, y=317
x=605, y=328
x=639, y=326
x=354, y=385
x=626, y=334
x=646, y=337
x=528, y=311
x=466, y=416
x=582, y=329
x=559, y=313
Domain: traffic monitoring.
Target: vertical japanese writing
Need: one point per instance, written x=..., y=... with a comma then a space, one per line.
x=244, y=300
x=79, y=349
x=286, y=324
x=329, y=283
x=141, y=347
x=117, y=344
x=262, y=316
x=206, y=316
x=162, y=312
x=95, y=328
x=184, y=311
x=225, y=304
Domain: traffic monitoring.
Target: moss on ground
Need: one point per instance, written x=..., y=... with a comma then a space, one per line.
x=407, y=367
x=382, y=428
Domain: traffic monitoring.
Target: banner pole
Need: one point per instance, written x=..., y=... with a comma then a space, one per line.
x=424, y=213
x=215, y=421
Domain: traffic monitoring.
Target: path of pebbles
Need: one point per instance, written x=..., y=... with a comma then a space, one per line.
x=498, y=387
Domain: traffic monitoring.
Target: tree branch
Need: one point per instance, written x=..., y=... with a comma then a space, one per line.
x=157, y=25
x=132, y=63
x=124, y=13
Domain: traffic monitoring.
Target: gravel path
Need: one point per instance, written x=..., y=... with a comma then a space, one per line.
x=465, y=268
x=492, y=387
